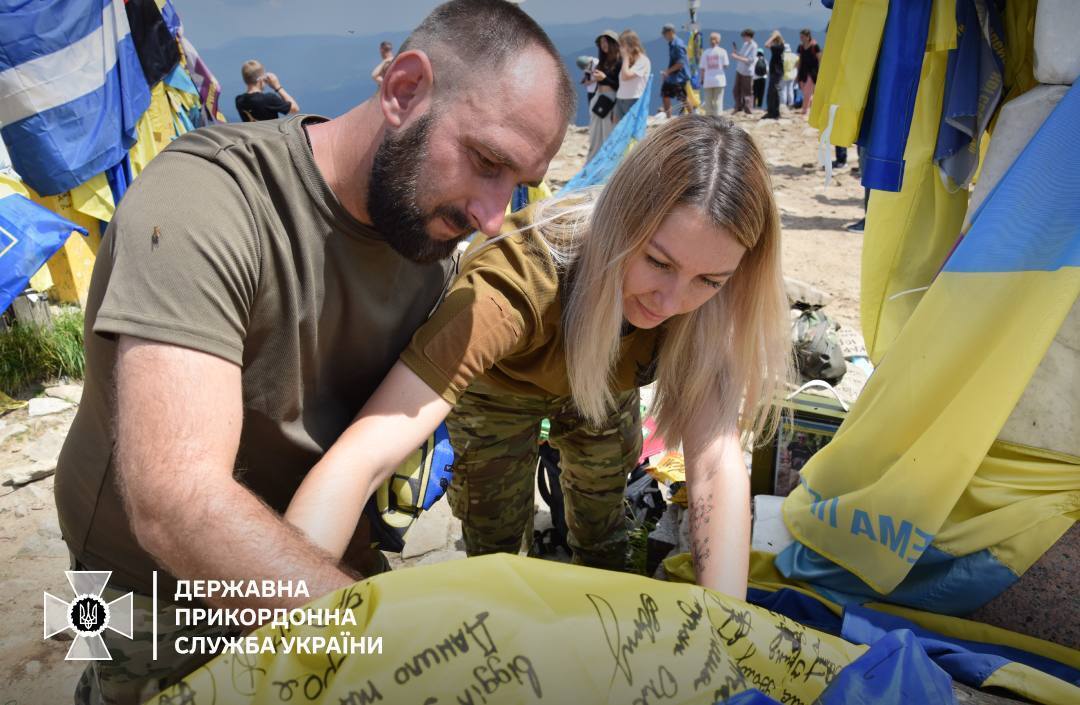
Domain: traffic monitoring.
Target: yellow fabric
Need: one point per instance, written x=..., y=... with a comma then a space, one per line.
x=154, y=131
x=847, y=67
x=94, y=198
x=1018, y=18
x=506, y=629
x=909, y=234
x=914, y=447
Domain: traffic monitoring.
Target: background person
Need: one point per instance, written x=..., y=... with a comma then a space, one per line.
x=775, y=45
x=541, y=324
x=676, y=74
x=386, y=54
x=791, y=70
x=809, y=63
x=714, y=63
x=232, y=334
x=745, y=58
x=634, y=75
x=605, y=78
x=255, y=104
x=761, y=72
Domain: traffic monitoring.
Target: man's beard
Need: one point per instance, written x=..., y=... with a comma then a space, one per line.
x=392, y=196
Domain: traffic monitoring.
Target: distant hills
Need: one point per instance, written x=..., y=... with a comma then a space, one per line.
x=329, y=74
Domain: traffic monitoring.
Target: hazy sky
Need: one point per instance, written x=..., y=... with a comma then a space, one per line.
x=212, y=22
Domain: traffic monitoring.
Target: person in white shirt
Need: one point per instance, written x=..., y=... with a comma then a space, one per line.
x=745, y=58
x=714, y=62
x=636, y=68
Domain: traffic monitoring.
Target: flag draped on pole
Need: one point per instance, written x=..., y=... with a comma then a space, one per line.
x=71, y=90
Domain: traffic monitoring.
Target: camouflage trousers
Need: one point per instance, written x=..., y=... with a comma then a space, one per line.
x=496, y=442
x=132, y=676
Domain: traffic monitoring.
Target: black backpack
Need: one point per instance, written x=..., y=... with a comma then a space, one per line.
x=761, y=69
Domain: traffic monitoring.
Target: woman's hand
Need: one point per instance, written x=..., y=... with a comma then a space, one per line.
x=598, y=75
x=401, y=414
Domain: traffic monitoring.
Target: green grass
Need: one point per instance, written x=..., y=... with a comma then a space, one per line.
x=30, y=356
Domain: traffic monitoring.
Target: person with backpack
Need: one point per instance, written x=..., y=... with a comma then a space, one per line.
x=670, y=274
x=761, y=70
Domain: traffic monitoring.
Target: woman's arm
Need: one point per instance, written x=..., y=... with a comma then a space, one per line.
x=719, y=490
x=396, y=420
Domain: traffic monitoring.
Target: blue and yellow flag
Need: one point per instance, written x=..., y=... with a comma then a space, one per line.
x=915, y=501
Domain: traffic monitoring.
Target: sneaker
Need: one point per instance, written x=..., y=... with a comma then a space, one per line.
x=838, y=165
x=857, y=227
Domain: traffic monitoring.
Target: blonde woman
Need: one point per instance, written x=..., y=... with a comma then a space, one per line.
x=634, y=75
x=671, y=273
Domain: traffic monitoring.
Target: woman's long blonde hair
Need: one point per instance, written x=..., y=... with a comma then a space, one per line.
x=736, y=347
x=630, y=38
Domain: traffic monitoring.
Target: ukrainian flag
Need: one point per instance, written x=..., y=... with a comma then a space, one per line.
x=915, y=501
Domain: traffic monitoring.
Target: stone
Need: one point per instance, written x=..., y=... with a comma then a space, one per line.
x=25, y=474
x=1056, y=25
x=46, y=449
x=430, y=532
x=67, y=392
x=800, y=291
x=43, y=406
x=32, y=668
x=11, y=430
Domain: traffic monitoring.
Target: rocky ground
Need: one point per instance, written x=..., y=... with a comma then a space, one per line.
x=817, y=250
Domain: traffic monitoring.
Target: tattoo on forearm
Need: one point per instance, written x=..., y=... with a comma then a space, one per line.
x=700, y=515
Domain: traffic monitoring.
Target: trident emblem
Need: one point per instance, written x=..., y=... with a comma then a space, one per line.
x=88, y=615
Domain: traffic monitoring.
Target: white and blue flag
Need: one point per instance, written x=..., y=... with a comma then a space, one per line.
x=71, y=89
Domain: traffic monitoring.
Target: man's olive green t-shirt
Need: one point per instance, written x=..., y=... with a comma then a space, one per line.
x=501, y=326
x=231, y=243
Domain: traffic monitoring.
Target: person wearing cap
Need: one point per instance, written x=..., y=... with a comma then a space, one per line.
x=675, y=75
x=605, y=79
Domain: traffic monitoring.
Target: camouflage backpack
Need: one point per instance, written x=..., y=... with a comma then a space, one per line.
x=817, y=346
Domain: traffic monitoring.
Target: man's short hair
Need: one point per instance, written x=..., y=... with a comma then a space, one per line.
x=714, y=34
x=747, y=33
x=252, y=71
x=463, y=37
x=667, y=28
x=385, y=46
x=805, y=32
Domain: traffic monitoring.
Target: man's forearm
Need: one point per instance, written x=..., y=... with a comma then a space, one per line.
x=226, y=533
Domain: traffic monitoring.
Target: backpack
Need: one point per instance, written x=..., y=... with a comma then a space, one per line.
x=817, y=346
x=761, y=69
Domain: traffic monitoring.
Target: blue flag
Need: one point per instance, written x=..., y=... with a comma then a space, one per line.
x=29, y=235
x=71, y=90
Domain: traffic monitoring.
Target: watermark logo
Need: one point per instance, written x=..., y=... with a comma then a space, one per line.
x=88, y=615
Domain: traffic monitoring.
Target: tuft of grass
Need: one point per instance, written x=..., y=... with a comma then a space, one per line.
x=30, y=355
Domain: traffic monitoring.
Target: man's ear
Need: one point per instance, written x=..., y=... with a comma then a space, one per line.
x=407, y=87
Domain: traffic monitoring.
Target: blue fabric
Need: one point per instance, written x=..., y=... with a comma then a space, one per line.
x=179, y=79
x=894, y=671
x=891, y=102
x=119, y=178
x=172, y=20
x=29, y=235
x=970, y=662
x=939, y=582
x=749, y=697
x=34, y=29
x=973, y=83
x=677, y=54
x=630, y=128
x=1051, y=236
x=520, y=198
x=58, y=149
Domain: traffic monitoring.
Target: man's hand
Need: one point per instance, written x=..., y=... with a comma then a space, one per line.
x=272, y=81
x=179, y=415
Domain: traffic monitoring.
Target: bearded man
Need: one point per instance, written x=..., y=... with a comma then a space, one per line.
x=255, y=286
